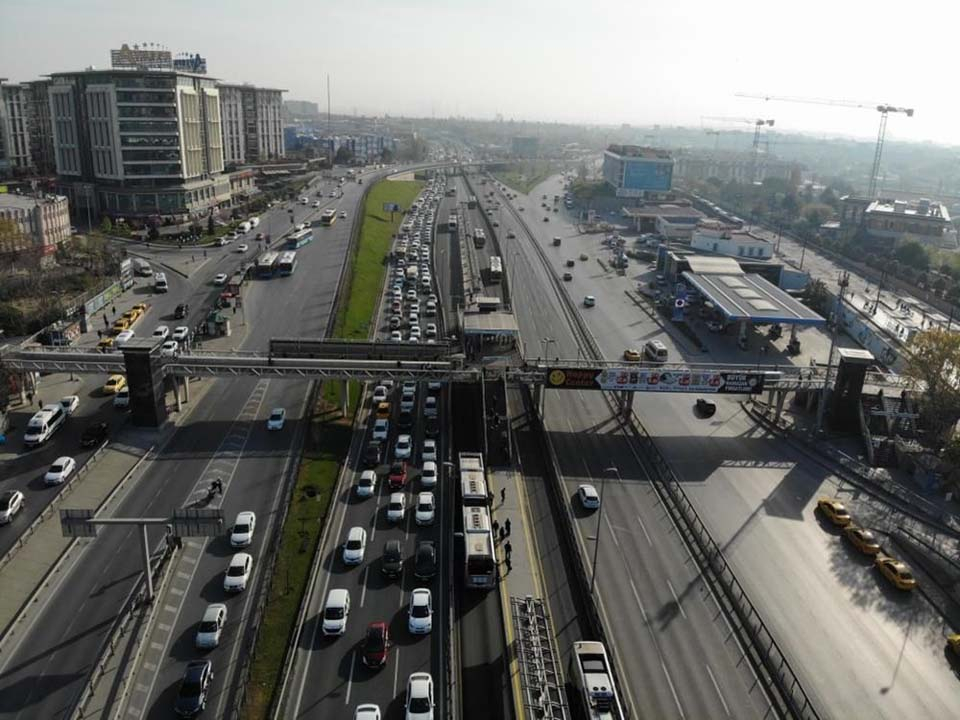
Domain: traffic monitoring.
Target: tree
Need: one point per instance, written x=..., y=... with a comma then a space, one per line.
x=106, y=225
x=344, y=155
x=817, y=297
x=386, y=156
x=933, y=364
x=210, y=227
x=913, y=254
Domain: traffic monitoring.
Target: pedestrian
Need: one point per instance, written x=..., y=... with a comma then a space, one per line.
x=99, y=334
x=106, y=323
x=503, y=495
x=490, y=498
x=508, y=549
x=113, y=309
x=193, y=258
x=496, y=527
x=502, y=534
x=506, y=526
x=509, y=565
x=39, y=402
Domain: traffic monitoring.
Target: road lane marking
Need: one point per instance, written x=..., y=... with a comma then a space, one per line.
x=636, y=597
x=396, y=670
x=644, y=528
x=353, y=663
x=673, y=690
x=676, y=599
x=363, y=585
x=717, y=688
x=613, y=535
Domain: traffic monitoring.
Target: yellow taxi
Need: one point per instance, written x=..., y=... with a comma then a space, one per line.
x=105, y=344
x=953, y=642
x=896, y=571
x=383, y=410
x=139, y=308
x=862, y=539
x=114, y=384
x=835, y=511
x=632, y=355
x=120, y=325
x=130, y=316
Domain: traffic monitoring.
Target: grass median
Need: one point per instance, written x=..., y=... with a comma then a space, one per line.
x=524, y=178
x=325, y=448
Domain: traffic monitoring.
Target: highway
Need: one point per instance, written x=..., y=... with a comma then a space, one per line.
x=47, y=670
x=673, y=645
x=863, y=645
x=328, y=678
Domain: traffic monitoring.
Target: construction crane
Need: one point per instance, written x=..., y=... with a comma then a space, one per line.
x=883, y=108
x=758, y=125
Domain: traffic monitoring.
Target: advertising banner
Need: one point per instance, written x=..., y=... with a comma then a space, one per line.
x=653, y=379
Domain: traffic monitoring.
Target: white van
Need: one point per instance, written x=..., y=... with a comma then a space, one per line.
x=335, y=612
x=43, y=425
x=655, y=351
x=160, y=282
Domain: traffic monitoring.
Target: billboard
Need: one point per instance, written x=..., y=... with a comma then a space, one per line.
x=391, y=207
x=642, y=175
x=653, y=379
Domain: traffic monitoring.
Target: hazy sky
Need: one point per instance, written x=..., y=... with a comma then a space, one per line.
x=599, y=61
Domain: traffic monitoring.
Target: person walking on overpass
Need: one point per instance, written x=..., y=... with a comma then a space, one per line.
x=506, y=526
x=503, y=495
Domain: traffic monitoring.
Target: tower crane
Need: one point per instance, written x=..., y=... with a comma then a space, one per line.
x=883, y=108
x=758, y=125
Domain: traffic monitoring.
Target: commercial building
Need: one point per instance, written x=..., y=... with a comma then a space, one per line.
x=526, y=146
x=673, y=220
x=363, y=148
x=14, y=130
x=734, y=167
x=252, y=123
x=896, y=221
x=634, y=171
x=133, y=143
x=716, y=237
x=41, y=129
x=41, y=222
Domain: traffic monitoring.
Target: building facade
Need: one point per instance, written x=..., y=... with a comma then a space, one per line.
x=41, y=129
x=15, y=129
x=131, y=143
x=301, y=108
x=42, y=223
x=714, y=236
x=252, y=123
x=634, y=171
x=735, y=167
x=897, y=221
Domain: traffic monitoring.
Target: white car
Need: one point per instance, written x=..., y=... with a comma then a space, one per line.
x=238, y=572
x=123, y=338
x=336, y=611
x=428, y=475
x=415, y=331
x=69, y=403
x=407, y=400
x=380, y=394
x=367, y=484
x=430, y=406
x=181, y=333
x=211, y=626
x=426, y=508
x=316, y=203
x=431, y=330
x=161, y=332
x=241, y=534
x=396, y=336
x=220, y=279
x=381, y=429
x=589, y=498
x=420, y=697
x=420, y=612
x=367, y=711
x=169, y=349
x=242, y=248
x=277, y=417
x=11, y=502
x=396, y=507
x=122, y=398
x=429, y=451
x=355, y=546
x=403, y=450
x=61, y=469
x=589, y=301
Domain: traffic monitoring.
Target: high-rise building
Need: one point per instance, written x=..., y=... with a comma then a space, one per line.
x=252, y=124
x=635, y=171
x=134, y=143
x=14, y=129
x=41, y=130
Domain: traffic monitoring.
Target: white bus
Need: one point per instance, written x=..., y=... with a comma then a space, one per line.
x=480, y=558
x=479, y=238
x=592, y=677
x=473, y=482
x=267, y=264
x=287, y=263
x=160, y=282
x=496, y=269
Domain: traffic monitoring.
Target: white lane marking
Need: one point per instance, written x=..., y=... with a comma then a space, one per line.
x=396, y=670
x=613, y=535
x=636, y=597
x=717, y=688
x=363, y=585
x=676, y=599
x=353, y=662
x=645, y=533
x=673, y=690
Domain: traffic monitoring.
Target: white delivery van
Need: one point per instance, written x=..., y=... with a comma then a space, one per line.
x=245, y=226
x=254, y=221
x=655, y=351
x=44, y=424
x=160, y=282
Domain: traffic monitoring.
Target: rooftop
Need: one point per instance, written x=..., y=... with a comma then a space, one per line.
x=250, y=86
x=664, y=210
x=637, y=151
x=915, y=208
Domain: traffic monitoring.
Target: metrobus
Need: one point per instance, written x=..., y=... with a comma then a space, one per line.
x=472, y=202
x=480, y=558
x=496, y=269
x=287, y=263
x=329, y=217
x=452, y=223
x=473, y=482
x=479, y=238
x=591, y=674
x=267, y=264
x=300, y=238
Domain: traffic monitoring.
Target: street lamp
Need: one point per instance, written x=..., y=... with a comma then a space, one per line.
x=596, y=543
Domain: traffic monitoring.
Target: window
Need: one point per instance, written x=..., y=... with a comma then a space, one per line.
x=740, y=250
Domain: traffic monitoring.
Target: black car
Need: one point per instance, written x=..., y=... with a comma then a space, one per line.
x=571, y=263
x=94, y=434
x=181, y=311
x=392, y=562
x=372, y=454
x=425, y=561
x=194, y=688
x=431, y=426
x=568, y=277
x=405, y=420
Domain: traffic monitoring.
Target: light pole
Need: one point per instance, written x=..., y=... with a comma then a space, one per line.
x=596, y=543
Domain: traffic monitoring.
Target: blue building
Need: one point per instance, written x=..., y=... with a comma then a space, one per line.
x=634, y=171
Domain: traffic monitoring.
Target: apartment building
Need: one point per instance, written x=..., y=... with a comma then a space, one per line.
x=15, y=156
x=252, y=123
x=42, y=223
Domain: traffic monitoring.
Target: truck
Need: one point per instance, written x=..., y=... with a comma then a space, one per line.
x=412, y=273
x=142, y=268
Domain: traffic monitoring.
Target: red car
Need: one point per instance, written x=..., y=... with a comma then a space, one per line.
x=398, y=476
x=376, y=645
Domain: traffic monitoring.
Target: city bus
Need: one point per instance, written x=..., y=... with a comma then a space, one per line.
x=496, y=269
x=591, y=674
x=480, y=558
x=479, y=238
x=472, y=202
x=473, y=482
x=452, y=224
x=287, y=263
x=300, y=238
x=329, y=217
x=267, y=264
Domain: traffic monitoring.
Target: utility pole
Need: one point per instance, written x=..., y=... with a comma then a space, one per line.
x=843, y=281
x=876, y=303
x=596, y=542
x=329, y=125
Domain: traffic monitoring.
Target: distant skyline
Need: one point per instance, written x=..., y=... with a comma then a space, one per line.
x=602, y=62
